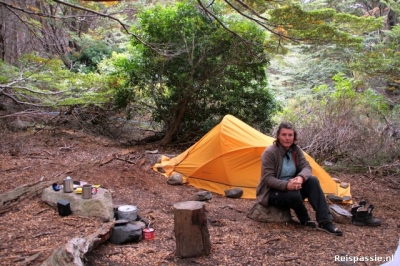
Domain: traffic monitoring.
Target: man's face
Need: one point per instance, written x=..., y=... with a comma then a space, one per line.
x=286, y=137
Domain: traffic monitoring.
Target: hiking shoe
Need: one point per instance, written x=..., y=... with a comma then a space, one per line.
x=330, y=229
x=362, y=216
x=309, y=224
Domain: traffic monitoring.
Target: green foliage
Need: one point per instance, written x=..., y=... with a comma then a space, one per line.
x=382, y=59
x=349, y=6
x=345, y=95
x=87, y=60
x=343, y=90
x=295, y=74
x=122, y=97
x=194, y=71
x=320, y=26
x=393, y=4
x=91, y=53
x=7, y=72
x=41, y=82
x=357, y=25
x=341, y=124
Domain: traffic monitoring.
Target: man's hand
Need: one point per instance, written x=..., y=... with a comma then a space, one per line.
x=295, y=183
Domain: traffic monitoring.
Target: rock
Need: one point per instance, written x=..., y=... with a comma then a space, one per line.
x=340, y=215
x=146, y=221
x=337, y=180
x=346, y=198
x=334, y=198
x=121, y=222
x=141, y=224
x=19, y=124
x=234, y=193
x=344, y=185
x=203, y=196
x=270, y=214
x=151, y=152
x=126, y=233
x=100, y=205
x=160, y=169
x=152, y=157
x=338, y=218
x=175, y=180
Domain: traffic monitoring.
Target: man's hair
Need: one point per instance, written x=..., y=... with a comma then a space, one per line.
x=286, y=125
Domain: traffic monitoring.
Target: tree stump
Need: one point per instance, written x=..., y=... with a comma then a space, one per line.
x=191, y=232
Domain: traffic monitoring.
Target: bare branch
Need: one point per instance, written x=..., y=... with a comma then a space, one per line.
x=29, y=112
x=246, y=43
x=3, y=87
x=11, y=7
x=161, y=51
x=259, y=22
x=125, y=26
x=12, y=97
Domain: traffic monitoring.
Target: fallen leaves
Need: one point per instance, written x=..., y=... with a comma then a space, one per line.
x=31, y=230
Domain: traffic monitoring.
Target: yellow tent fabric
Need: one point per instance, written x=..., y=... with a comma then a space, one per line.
x=229, y=156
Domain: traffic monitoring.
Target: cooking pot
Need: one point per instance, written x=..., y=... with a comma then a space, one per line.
x=127, y=212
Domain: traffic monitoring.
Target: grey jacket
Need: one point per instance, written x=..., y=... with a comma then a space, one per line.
x=271, y=166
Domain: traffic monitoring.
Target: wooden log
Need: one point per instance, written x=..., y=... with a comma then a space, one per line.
x=191, y=231
x=72, y=253
x=13, y=197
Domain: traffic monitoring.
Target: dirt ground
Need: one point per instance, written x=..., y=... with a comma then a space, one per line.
x=34, y=228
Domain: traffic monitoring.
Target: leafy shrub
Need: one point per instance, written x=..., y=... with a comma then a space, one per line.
x=353, y=128
x=193, y=72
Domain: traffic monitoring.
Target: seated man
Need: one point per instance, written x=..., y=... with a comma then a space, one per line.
x=286, y=181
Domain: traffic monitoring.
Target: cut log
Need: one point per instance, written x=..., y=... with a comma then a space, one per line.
x=270, y=214
x=30, y=259
x=13, y=197
x=72, y=253
x=191, y=231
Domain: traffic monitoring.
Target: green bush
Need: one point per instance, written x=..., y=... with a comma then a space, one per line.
x=192, y=71
x=345, y=126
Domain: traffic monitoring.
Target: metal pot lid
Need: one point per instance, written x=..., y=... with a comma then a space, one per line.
x=127, y=208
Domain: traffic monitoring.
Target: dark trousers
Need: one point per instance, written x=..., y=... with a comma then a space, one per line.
x=294, y=199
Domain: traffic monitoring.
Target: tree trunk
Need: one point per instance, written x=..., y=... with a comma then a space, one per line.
x=174, y=122
x=392, y=20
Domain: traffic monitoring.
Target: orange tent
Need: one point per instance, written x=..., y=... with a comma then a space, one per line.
x=229, y=156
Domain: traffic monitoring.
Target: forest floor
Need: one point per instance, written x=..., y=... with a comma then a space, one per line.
x=34, y=228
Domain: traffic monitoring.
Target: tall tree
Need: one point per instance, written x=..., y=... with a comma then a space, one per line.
x=195, y=71
x=51, y=28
